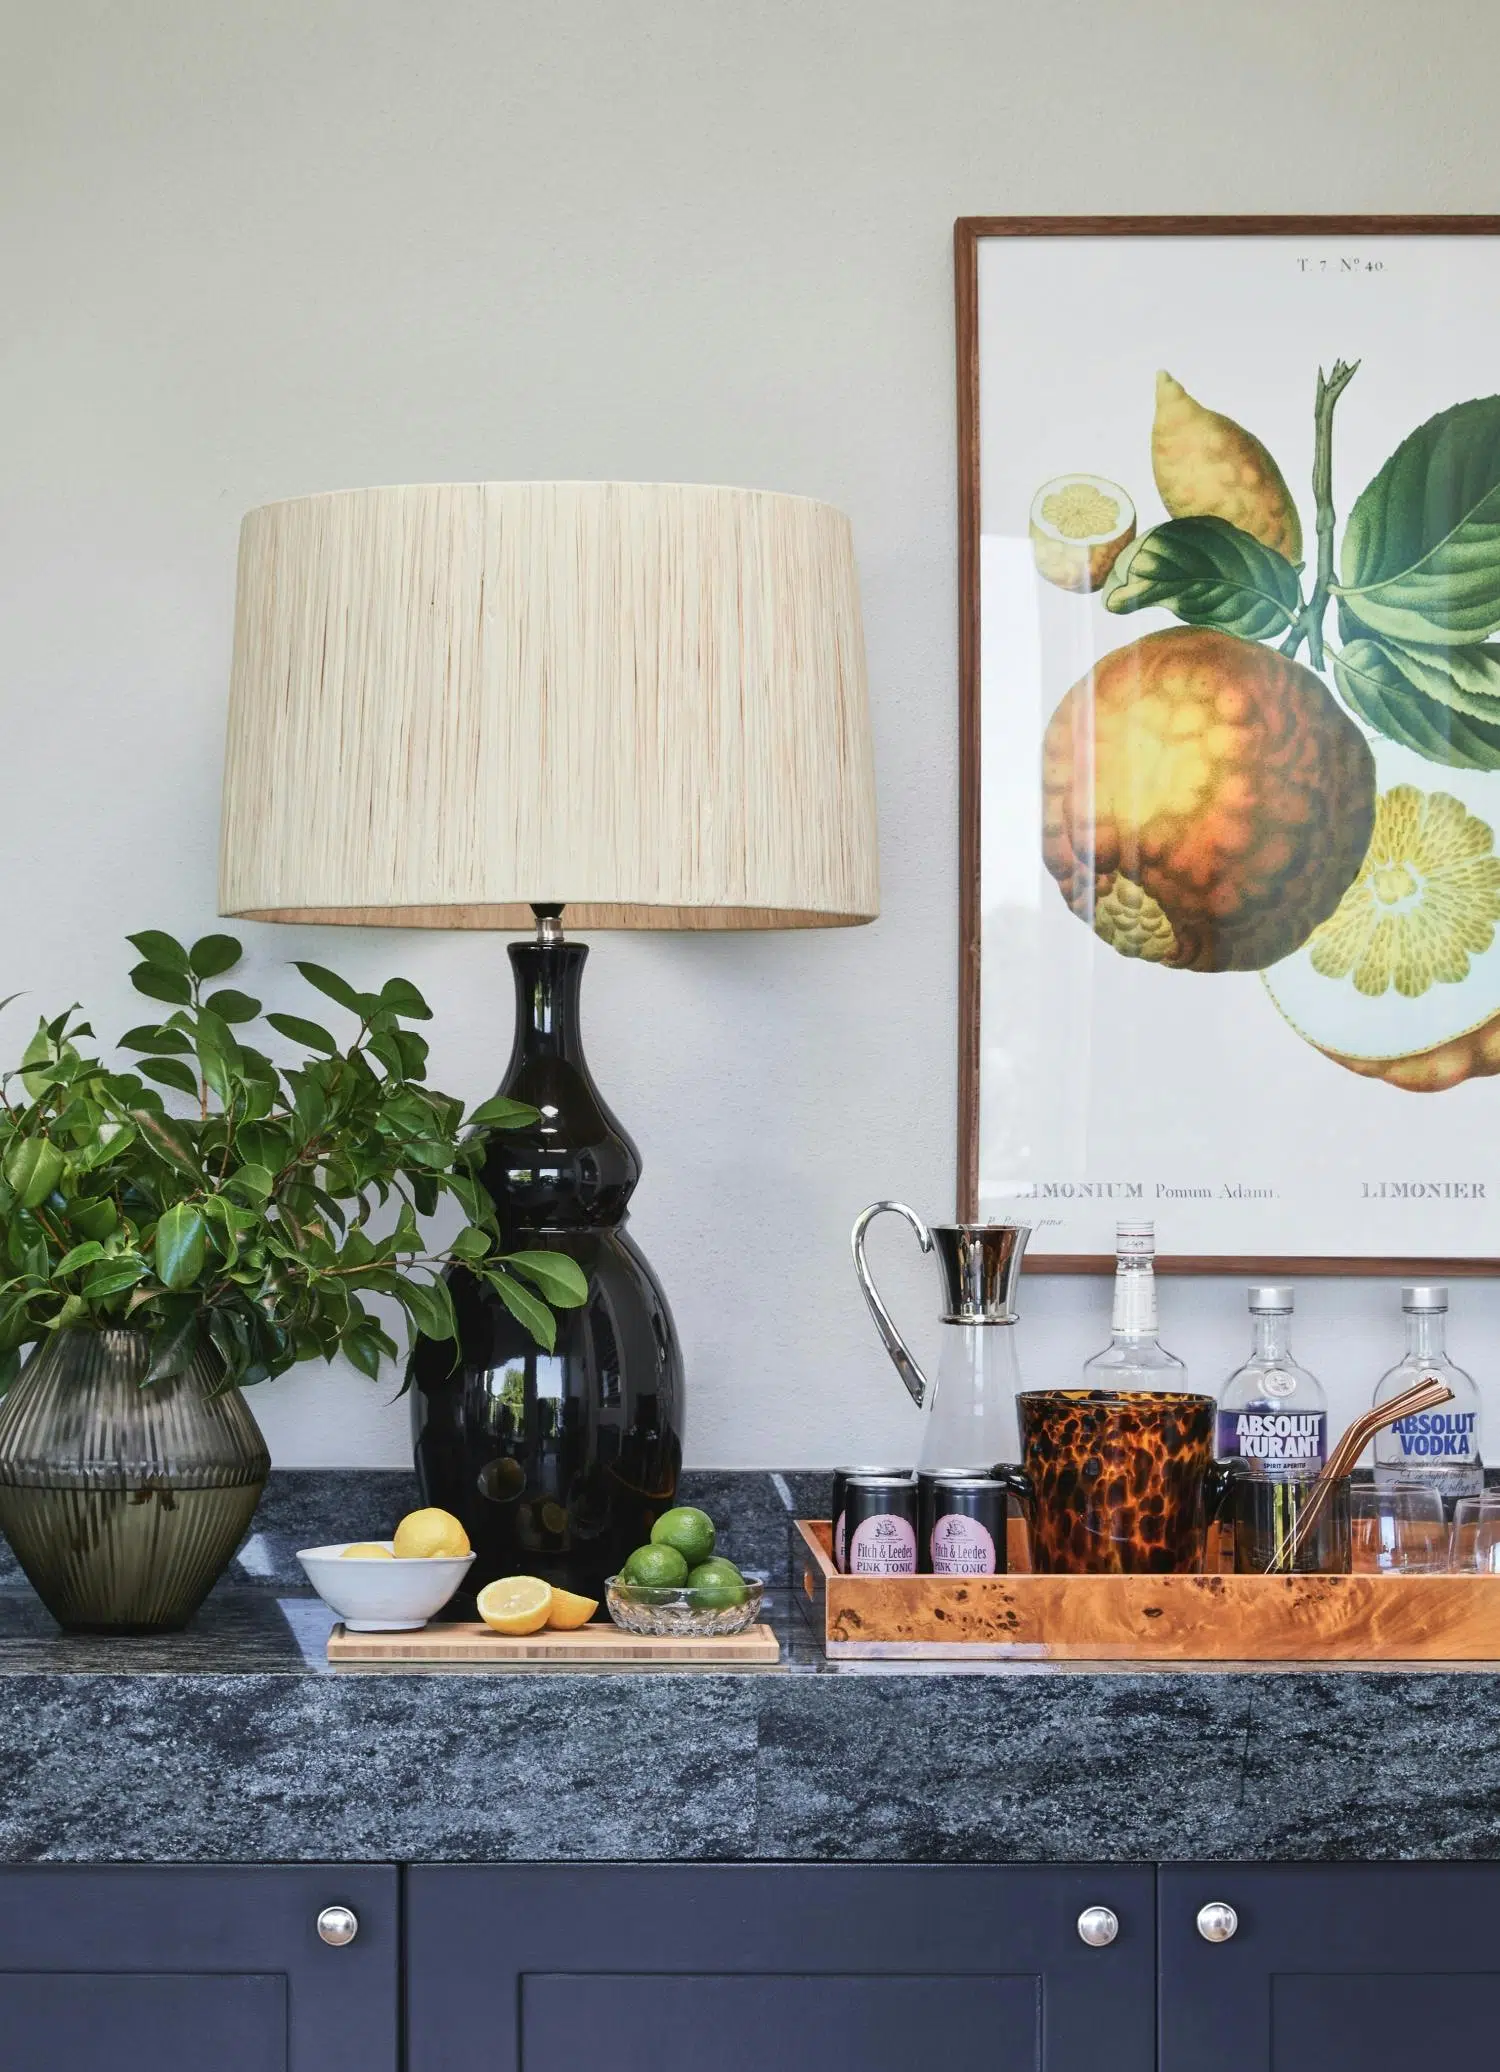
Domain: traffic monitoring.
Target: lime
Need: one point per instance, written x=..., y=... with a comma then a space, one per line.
x=717, y=1585
x=690, y=1532
x=659, y=1568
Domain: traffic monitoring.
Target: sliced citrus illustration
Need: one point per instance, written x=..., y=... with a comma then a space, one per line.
x=1206, y=801
x=515, y=1604
x=1080, y=525
x=1402, y=981
x=1207, y=466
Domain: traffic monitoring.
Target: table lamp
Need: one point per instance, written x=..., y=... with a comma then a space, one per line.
x=594, y=705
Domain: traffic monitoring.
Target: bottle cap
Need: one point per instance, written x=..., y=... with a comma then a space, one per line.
x=1135, y=1240
x=1278, y=1299
x=1424, y=1298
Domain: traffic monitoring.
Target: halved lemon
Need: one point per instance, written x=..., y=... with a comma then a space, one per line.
x=515, y=1604
x=1079, y=526
x=569, y=1611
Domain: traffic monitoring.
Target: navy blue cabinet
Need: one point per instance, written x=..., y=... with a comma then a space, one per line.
x=741, y=1967
x=152, y=1970
x=1329, y=1967
x=804, y=1968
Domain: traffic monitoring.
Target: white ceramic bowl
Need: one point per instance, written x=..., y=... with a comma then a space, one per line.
x=375, y=1596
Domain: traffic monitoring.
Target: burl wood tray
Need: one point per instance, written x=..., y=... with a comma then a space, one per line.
x=1207, y=1618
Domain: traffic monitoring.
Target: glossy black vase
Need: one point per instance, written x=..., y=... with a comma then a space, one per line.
x=557, y=1463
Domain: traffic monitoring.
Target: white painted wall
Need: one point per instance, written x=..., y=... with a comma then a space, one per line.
x=250, y=248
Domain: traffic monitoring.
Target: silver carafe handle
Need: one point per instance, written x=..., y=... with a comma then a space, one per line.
x=895, y=1344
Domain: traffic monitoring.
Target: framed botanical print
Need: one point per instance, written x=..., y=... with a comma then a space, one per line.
x=1230, y=773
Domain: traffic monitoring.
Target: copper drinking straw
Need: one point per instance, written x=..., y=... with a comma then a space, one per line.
x=1425, y=1395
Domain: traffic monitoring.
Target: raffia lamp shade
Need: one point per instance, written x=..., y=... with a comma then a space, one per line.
x=645, y=702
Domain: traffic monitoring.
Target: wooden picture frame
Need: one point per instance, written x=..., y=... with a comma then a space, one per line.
x=971, y=235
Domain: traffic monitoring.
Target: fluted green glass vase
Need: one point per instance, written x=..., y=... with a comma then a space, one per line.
x=124, y=1503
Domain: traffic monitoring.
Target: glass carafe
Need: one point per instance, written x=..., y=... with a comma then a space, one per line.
x=971, y=1403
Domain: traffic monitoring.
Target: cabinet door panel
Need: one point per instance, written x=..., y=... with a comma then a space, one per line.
x=1377, y=1967
x=664, y=2024
x=85, y=2022
x=807, y=1968
x=133, y=1969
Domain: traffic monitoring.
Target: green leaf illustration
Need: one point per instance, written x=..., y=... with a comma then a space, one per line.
x=1377, y=684
x=1421, y=552
x=1467, y=678
x=1209, y=573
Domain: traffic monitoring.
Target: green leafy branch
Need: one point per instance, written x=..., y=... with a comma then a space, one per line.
x=248, y=1223
x=1415, y=582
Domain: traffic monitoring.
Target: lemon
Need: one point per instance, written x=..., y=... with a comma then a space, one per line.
x=1207, y=466
x=657, y=1567
x=1402, y=981
x=690, y=1531
x=567, y=1612
x=366, y=1550
x=515, y=1604
x=1080, y=525
x=430, y=1536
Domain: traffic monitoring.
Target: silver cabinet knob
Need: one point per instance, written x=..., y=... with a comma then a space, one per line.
x=338, y=1925
x=1098, y=1926
x=1217, y=1921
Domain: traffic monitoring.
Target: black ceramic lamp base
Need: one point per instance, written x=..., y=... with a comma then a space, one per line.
x=557, y=1463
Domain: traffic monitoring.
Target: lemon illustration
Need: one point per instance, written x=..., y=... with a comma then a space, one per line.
x=1080, y=525
x=1402, y=981
x=1205, y=801
x=1207, y=466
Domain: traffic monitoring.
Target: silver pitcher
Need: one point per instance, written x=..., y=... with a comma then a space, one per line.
x=980, y=1264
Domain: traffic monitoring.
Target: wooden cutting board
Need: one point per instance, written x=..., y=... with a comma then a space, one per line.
x=476, y=1647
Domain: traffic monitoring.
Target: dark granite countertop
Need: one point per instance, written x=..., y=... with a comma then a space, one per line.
x=236, y=1742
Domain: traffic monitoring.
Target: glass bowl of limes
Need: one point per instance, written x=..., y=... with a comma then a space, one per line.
x=677, y=1586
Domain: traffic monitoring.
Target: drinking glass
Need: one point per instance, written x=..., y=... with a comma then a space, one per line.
x=1397, y=1528
x=1475, y=1543
x=1267, y=1512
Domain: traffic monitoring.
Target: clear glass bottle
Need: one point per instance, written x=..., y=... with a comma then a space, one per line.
x=1440, y=1447
x=1135, y=1359
x=1273, y=1414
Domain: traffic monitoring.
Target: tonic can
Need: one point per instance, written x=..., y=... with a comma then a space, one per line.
x=962, y=1520
x=880, y=1525
x=841, y=1479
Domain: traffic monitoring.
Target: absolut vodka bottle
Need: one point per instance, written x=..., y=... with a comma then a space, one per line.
x=1273, y=1414
x=1135, y=1359
x=1442, y=1446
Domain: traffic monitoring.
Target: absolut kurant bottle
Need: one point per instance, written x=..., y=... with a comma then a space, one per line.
x=1273, y=1414
x=1135, y=1359
x=1441, y=1447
